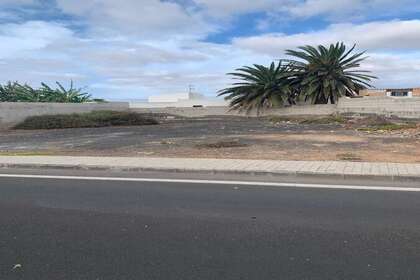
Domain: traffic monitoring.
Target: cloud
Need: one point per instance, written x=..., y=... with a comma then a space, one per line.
x=17, y=2
x=235, y=7
x=150, y=18
x=386, y=43
x=18, y=39
x=390, y=35
x=119, y=67
x=340, y=10
x=135, y=48
x=394, y=70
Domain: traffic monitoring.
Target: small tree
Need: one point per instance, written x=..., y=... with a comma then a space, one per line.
x=320, y=75
x=326, y=74
x=260, y=87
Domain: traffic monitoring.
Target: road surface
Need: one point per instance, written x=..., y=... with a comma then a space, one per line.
x=55, y=228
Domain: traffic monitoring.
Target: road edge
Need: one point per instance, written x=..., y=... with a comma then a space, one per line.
x=298, y=174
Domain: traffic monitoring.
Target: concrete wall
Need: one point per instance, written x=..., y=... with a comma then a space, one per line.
x=373, y=92
x=14, y=112
x=223, y=110
x=401, y=107
x=205, y=102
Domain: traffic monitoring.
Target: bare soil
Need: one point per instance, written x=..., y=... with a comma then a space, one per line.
x=231, y=137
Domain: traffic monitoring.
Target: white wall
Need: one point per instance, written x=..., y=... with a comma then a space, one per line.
x=401, y=107
x=206, y=102
x=14, y=112
x=190, y=112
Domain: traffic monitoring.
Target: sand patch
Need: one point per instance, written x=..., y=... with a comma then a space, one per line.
x=333, y=138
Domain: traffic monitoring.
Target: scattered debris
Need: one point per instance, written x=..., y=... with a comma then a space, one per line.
x=348, y=157
x=16, y=266
x=222, y=144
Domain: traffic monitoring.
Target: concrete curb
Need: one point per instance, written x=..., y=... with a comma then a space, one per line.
x=318, y=175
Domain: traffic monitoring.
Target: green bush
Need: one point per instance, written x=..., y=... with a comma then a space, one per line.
x=16, y=92
x=388, y=127
x=92, y=119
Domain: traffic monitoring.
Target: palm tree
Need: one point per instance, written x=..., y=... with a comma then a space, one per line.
x=260, y=87
x=325, y=74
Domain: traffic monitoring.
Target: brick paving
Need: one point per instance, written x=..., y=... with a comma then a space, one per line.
x=218, y=165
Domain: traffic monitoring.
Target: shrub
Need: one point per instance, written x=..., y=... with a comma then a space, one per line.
x=388, y=127
x=16, y=92
x=92, y=119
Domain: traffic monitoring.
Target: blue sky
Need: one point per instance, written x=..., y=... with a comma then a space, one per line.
x=137, y=48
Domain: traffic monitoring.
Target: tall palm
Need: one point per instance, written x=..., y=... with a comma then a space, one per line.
x=325, y=74
x=260, y=87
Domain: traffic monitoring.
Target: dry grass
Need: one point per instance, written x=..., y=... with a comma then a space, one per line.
x=388, y=127
x=222, y=144
x=331, y=119
x=349, y=157
x=27, y=153
x=92, y=119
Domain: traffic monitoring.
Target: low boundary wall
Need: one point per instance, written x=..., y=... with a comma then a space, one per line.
x=387, y=106
x=190, y=112
x=14, y=112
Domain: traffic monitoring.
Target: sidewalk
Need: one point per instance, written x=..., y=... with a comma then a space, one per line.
x=389, y=171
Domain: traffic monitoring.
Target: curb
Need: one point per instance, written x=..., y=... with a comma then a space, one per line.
x=319, y=175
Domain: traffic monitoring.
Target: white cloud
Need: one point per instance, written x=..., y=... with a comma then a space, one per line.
x=341, y=9
x=391, y=35
x=394, y=70
x=17, y=39
x=232, y=7
x=134, y=48
x=384, y=41
x=150, y=18
x=117, y=67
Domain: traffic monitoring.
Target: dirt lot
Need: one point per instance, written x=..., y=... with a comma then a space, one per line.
x=351, y=139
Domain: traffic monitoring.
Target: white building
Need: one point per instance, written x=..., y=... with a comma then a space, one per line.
x=189, y=99
x=176, y=97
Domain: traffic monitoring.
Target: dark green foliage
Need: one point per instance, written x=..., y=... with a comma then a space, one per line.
x=329, y=73
x=320, y=75
x=93, y=119
x=260, y=87
x=16, y=92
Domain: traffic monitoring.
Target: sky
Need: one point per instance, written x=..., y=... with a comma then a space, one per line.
x=131, y=49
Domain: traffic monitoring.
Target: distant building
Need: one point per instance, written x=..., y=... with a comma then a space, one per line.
x=189, y=99
x=175, y=97
x=392, y=92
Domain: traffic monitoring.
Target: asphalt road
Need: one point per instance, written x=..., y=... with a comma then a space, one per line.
x=78, y=229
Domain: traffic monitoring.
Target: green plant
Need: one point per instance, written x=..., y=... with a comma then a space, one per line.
x=92, y=119
x=388, y=127
x=16, y=92
x=325, y=74
x=260, y=87
x=320, y=75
